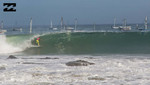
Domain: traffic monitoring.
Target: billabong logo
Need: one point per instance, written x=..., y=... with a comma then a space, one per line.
x=9, y=7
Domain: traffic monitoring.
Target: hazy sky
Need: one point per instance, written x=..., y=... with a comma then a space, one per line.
x=86, y=11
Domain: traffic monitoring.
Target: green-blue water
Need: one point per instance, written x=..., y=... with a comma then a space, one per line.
x=89, y=43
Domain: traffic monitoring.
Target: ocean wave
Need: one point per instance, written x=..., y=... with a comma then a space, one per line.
x=92, y=43
x=79, y=43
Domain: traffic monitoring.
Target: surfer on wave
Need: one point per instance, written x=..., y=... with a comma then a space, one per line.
x=37, y=41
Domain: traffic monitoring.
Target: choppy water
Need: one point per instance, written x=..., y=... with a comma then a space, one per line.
x=107, y=70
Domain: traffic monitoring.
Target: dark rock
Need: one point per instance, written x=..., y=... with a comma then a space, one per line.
x=79, y=63
x=96, y=78
x=41, y=58
x=31, y=63
x=12, y=57
x=27, y=58
x=48, y=58
x=2, y=68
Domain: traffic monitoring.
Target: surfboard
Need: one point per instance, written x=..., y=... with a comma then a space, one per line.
x=35, y=46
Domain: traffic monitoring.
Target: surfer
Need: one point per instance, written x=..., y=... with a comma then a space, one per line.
x=37, y=41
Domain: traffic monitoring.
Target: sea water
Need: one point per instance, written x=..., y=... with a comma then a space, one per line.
x=107, y=70
x=120, y=58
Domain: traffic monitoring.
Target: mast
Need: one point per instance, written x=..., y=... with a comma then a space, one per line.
x=114, y=22
x=51, y=24
x=30, y=25
x=75, y=24
x=61, y=23
x=146, y=22
x=125, y=23
x=137, y=26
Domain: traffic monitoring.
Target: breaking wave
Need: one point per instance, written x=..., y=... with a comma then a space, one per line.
x=78, y=43
x=93, y=43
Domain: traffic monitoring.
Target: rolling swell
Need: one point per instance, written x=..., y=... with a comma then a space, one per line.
x=93, y=43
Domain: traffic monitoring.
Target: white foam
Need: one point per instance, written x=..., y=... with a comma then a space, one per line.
x=107, y=71
x=7, y=48
x=10, y=47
